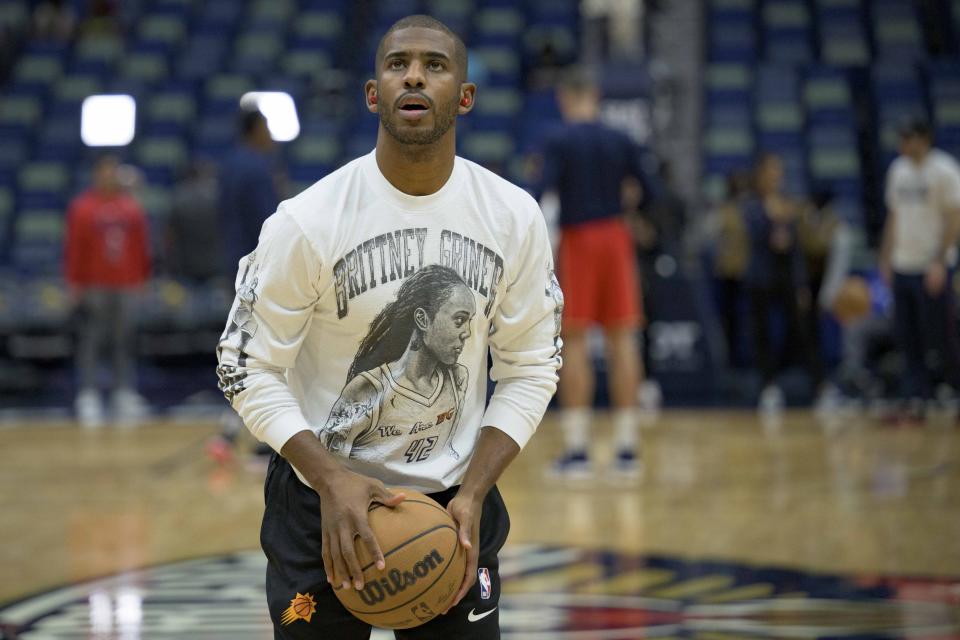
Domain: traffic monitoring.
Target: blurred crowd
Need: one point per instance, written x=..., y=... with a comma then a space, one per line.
x=796, y=263
x=109, y=256
x=795, y=286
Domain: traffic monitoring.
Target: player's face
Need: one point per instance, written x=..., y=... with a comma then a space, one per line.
x=105, y=175
x=445, y=334
x=914, y=146
x=770, y=175
x=418, y=86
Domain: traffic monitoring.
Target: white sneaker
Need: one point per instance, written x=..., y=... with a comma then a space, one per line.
x=771, y=400
x=650, y=396
x=89, y=409
x=129, y=407
x=828, y=402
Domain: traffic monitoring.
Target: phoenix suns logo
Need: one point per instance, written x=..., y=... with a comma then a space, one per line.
x=301, y=607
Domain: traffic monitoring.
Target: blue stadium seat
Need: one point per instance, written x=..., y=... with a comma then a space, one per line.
x=945, y=101
x=737, y=116
x=202, y=56
x=161, y=158
x=38, y=247
x=161, y=32
x=270, y=14
x=214, y=135
x=7, y=209
x=148, y=68
x=223, y=92
x=71, y=91
x=305, y=62
x=58, y=139
x=501, y=63
x=777, y=83
x=317, y=30
x=36, y=72
x=790, y=46
x=729, y=87
x=19, y=115
x=899, y=95
x=14, y=152
x=732, y=39
x=169, y=113
x=896, y=30
x=255, y=51
x=827, y=95
x=498, y=26
x=795, y=175
x=844, y=43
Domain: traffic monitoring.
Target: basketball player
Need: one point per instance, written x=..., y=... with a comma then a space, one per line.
x=918, y=257
x=338, y=268
x=586, y=164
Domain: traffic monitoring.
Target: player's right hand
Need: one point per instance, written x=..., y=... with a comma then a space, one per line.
x=344, y=501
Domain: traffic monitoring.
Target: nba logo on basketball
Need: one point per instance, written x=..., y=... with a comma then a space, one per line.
x=485, y=585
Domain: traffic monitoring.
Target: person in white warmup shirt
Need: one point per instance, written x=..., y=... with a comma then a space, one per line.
x=358, y=343
x=918, y=258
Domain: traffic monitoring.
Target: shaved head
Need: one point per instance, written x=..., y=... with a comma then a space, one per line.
x=426, y=22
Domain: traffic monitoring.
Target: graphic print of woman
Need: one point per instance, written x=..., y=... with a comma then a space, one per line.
x=405, y=388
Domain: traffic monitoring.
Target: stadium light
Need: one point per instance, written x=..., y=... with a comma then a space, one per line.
x=279, y=110
x=108, y=120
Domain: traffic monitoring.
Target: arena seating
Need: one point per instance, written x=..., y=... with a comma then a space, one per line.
x=824, y=83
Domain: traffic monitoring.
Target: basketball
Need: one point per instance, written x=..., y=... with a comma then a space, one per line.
x=425, y=565
x=852, y=301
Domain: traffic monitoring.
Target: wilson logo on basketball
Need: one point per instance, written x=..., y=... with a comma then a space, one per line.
x=396, y=581
x=301, y=608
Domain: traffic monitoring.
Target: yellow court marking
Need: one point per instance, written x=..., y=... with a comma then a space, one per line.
x=554, y=579
x=694, y=587
x=629, y=582
x=746, y=592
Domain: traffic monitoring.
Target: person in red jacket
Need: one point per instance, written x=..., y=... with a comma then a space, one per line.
x=107, y=259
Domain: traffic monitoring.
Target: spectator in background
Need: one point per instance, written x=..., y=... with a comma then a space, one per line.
x=193, y=242
x=918, y=257
x=248, y=193
x=731, y=258
x=662, y=220
x=818, y=226
x=102, y=19
x=819, y=230
x=658, y=226
x=776, y=278
x=107, y=260
x=54, y=20
x=585, y=166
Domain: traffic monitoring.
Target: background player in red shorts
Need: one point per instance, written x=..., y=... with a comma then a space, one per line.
x=585, y=165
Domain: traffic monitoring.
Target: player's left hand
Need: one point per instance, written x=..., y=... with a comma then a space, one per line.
x=935, y=279
x=466, y=512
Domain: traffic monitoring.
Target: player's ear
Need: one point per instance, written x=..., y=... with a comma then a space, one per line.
x=420, y=318
x=370, y=94
x=468, y=97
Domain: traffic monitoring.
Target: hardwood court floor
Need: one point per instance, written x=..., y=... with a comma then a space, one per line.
x=857, y=497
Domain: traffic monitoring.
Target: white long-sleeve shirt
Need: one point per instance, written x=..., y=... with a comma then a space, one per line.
x=921, y=195
x=366, y=315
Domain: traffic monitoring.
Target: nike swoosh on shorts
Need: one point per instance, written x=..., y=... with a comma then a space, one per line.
x=473, y=617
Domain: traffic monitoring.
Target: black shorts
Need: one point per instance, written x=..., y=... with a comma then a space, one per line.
x=291, y=535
